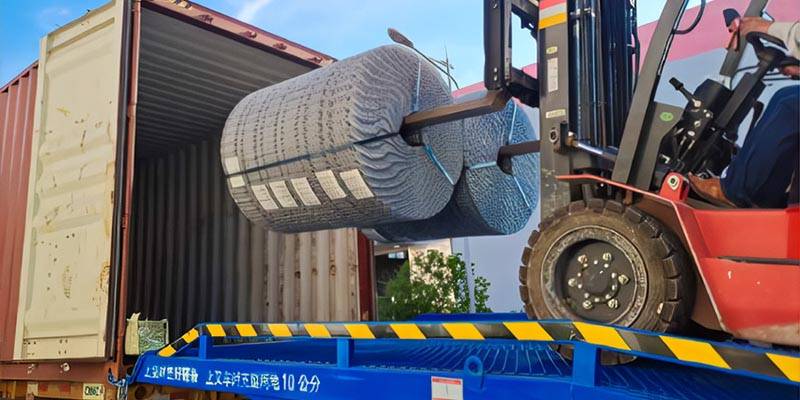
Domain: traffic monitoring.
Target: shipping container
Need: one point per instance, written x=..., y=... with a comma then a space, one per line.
x=116, y=202
x=17, y=102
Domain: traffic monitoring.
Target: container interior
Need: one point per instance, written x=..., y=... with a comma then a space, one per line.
x=194, y=257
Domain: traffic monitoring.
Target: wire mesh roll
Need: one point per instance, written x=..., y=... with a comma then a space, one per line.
x=322, y=150
x=486, y=201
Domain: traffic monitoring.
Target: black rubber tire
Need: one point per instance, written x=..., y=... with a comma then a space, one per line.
x=670, y=277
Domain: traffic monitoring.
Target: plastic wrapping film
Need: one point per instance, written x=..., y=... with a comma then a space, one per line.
x=486, y=201
x=142, y=336
x=323, y=150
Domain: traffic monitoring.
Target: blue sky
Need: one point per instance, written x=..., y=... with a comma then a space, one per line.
x=336, y=27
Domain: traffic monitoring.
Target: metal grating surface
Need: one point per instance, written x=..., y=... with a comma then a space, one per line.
x=190, y=79
x=527, y=359
x=655, y=379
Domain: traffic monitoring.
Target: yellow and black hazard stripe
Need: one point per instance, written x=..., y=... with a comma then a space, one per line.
x=776, y=365
x=713, y=354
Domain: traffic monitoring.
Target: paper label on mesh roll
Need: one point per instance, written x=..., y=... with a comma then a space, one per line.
x=232, y=165
x=264, y=198
x=303, y=189
x=236, y=181
x=283, y=194
x=355, y=183
x=329, y=184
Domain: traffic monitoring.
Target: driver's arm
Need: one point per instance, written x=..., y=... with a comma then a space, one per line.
x=789, y=34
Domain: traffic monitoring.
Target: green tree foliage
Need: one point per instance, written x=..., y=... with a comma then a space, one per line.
x=437, y=285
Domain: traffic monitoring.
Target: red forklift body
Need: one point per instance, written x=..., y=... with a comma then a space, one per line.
x=748, y=260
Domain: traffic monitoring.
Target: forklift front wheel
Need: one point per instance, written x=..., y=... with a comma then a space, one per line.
x=604, y=262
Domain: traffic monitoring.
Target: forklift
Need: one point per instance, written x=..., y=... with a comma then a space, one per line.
x=622, y=241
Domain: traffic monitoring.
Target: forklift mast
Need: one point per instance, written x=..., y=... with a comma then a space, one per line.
x=588, y=52
x=597, y=106
x=612, y=164
x=596, y=99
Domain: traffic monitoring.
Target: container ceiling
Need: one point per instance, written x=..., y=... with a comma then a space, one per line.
x=191, y=78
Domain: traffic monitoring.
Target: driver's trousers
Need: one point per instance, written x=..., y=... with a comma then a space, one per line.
x=761, y=173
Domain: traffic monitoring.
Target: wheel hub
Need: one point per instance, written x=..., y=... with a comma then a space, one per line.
x=599, y=280
x=595, y=278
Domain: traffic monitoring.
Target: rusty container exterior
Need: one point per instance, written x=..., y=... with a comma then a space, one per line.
x=17, y=101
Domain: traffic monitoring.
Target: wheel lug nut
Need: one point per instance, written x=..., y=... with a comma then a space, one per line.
x=608, y=296
x=572, y=282
x=623, y=279
x=596, y=299
x=613, y=275
x=595, y=262
x=613, y=304
x=614, y=287
x=580, y=286
x=586, y=295
x=607, y=257
x=606, y=265
x=587, y=305
x=582, y=258
x=579, y=275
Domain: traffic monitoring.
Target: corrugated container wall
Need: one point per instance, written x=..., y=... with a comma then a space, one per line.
x=197, y=258
x=194, y=257
x=17, y=100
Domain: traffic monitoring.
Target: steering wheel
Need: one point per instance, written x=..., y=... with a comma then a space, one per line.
x=764, y=53
x=775, y=56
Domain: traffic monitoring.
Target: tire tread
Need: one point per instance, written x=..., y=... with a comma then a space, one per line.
x=678, y=274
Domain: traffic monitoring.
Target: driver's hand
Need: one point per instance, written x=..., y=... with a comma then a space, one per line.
x=753, y=24
x=791, y=71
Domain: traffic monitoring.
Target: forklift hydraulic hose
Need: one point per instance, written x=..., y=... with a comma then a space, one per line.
x=696, y=20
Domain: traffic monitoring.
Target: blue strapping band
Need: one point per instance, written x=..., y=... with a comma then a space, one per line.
x=513, y=121
x=438, y=165
x=428, y=150
x=525, y=198
x=511, y=136
x=415, y=102
x=483, y=165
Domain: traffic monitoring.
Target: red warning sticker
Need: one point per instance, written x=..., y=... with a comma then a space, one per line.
x=446, y=388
